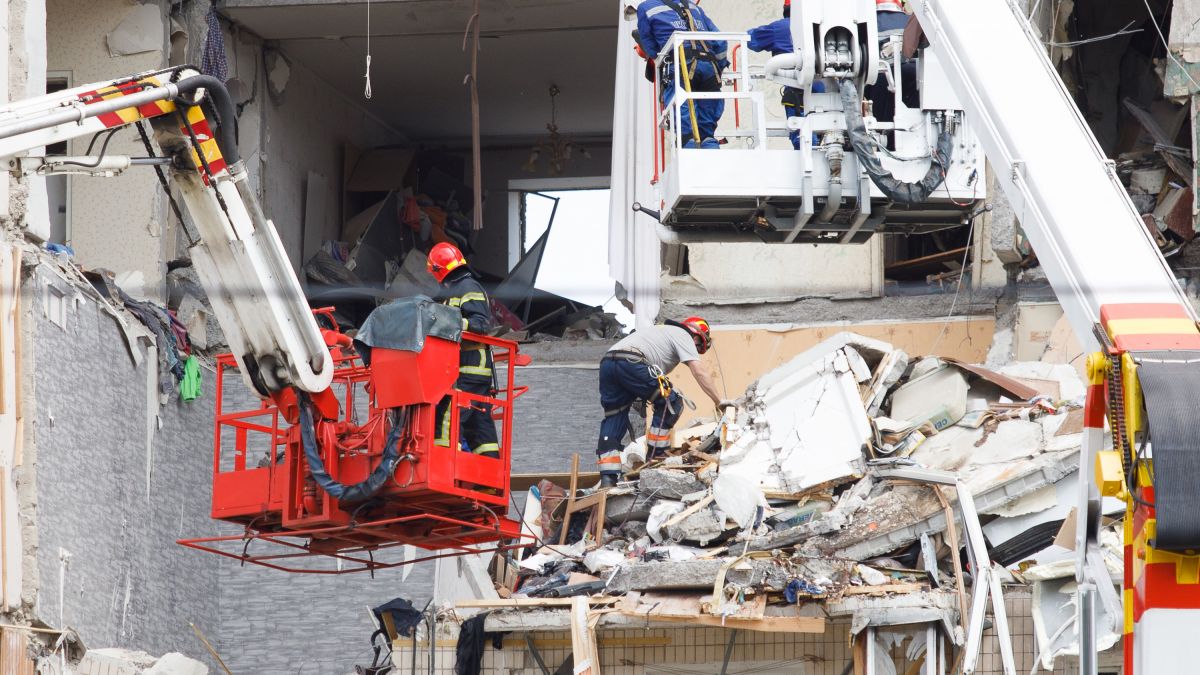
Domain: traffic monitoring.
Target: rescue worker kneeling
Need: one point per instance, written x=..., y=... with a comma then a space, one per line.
x=460, y=289
x=636, y=369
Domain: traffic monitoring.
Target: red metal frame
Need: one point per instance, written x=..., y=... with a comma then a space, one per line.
x=438, y=498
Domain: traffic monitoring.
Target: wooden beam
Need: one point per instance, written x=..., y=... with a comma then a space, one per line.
x=583, y=639
x=885, y=588
x=926, y=264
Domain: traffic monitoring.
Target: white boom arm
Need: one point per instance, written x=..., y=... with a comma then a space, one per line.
x=1088, y=236
x=1098, y=256
x=239, y=258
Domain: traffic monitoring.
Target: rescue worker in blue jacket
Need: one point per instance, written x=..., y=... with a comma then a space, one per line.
x=460, y=289
x=705, y=60
x=776, y=37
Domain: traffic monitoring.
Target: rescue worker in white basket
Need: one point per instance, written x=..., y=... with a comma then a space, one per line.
x=636, y=369
x=704, y=62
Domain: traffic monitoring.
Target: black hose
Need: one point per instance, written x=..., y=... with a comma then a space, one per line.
x=896, y=190
x=223, y=127
x=316, y=466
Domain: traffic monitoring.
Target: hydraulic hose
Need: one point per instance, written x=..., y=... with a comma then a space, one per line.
x=896, y=190
x=316, y=466
x=222, y=105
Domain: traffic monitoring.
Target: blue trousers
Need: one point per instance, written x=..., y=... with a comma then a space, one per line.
x=622, y=383
x=708, y=112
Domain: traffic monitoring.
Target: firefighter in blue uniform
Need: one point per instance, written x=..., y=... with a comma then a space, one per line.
x=776, y=37
x=460, y=289
x=705, y=60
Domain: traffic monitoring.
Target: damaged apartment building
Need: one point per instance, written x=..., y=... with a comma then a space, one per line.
x=907, y=429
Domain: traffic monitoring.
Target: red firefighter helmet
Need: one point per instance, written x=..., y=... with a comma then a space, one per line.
x=443, y=259
x=699, y=329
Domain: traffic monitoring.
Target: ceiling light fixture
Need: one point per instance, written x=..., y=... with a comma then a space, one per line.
x=557, y=147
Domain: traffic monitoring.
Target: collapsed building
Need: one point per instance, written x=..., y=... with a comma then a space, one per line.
x=828, y=508
x=105, y=464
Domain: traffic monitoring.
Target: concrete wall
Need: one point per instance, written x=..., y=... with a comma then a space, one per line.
x=274, y=623
x=119, y=478
x=119, y=223
x=116, y=223
x=307, y=132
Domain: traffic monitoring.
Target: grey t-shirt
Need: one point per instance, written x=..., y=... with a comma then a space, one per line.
x=663, y=346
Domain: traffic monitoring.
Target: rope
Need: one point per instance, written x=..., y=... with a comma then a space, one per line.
x=367, y=76
x=471, y=36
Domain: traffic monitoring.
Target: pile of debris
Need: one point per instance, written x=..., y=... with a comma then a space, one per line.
x=851, y=473
x=1158, y=173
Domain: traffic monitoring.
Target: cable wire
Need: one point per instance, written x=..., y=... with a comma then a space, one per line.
x=1167, y=46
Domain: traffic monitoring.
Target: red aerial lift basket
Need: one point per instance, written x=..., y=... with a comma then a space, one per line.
x=439, y=497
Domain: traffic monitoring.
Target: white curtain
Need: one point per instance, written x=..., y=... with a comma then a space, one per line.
x=634, y=251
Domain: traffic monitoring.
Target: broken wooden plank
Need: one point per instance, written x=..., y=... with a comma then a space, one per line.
x=583, y=639
x=689, y=511
x=769, y=624
x=885, y=588
x=928, y=264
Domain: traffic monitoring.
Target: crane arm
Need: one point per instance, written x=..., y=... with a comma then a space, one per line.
x=239, y=258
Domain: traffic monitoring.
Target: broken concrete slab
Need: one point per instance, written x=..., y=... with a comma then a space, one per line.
x=938, y=396
x=668, y=483
x=629, y=508
x=701, y=527
x=739, y=497
x=177, y=664
x=128, y=662
x=804, y=424
x=695, y=574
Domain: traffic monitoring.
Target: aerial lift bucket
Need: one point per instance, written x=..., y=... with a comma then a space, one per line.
x=438, y=498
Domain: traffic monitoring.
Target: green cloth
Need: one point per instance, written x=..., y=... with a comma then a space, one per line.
x=189, y=387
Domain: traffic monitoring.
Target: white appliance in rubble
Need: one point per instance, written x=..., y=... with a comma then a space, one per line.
x=758, y=188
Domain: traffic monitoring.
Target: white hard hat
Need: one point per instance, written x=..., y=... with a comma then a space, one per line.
x=888, y=6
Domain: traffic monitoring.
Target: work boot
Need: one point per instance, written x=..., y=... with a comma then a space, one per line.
x=609, y=479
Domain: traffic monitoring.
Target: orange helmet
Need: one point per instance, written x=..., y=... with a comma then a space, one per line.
x=443, y=259
x=699, y=329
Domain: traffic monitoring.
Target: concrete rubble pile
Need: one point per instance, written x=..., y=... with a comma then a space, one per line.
x=778, y=511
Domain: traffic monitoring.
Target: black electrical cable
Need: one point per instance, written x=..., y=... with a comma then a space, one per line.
x=861, y=141
x=103, y=150
x=316, y=466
